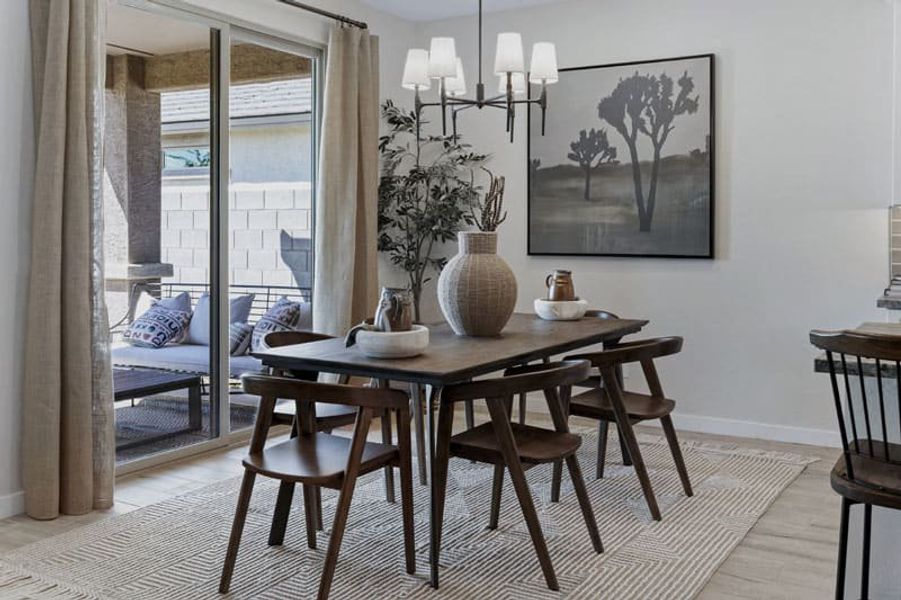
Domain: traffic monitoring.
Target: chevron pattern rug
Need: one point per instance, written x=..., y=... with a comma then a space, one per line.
x=174, y=550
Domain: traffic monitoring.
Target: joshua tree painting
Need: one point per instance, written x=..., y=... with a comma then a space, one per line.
x=590, y=150
x=626, y=165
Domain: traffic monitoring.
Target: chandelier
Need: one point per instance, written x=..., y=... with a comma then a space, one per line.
x=441, y=63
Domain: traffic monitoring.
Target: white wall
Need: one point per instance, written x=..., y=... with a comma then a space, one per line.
x=16, y=150
x=804, y=162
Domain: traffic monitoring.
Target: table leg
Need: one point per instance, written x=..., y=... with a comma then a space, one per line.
x=195, y=408
x=434, y=397
x=416, y=399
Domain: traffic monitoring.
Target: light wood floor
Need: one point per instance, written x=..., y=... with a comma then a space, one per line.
x=790, y=553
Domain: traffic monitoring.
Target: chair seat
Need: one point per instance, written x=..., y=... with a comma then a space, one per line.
x=596, y=404
x=535, y=445
x=318, y=459
x=875, y=482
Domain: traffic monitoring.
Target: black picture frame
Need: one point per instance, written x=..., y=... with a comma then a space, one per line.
x=560, y=104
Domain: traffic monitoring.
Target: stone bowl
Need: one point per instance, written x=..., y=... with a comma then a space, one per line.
x=561, y=310
x=393, y=344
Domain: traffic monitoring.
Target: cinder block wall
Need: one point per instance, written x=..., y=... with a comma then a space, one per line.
x=269, y=240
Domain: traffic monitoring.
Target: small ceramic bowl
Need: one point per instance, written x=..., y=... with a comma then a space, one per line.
x=393, y=344
x=560, y=310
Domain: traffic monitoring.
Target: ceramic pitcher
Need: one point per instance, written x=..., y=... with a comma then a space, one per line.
x=560, y=285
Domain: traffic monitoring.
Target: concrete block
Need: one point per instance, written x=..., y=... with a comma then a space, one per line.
x=278, y=277
x=237, y=219
x=170, y=238
x=195, y=201
x=303, y=198
x=262, y=259
x=237, y=259
x=249, y=199
x=180, y=257
x=170, y=200
x=294, y=219
x=279, y=199
x=179, y=219
x=201, y=219
x=247, y=277
x=261, y=219
x=250, y=239
x=194, y=238
x=193, y=275
x=201, y=258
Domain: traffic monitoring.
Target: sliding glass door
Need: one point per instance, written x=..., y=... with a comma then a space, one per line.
x=208, y=187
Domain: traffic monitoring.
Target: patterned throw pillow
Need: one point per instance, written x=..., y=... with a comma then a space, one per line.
x=239, y=336
x=283, y=316
x=157, y=327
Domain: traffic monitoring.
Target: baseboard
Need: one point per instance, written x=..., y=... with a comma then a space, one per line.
x=761, y=431
x=12, y=504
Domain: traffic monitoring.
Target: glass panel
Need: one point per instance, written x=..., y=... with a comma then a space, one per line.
x=157, y=230
x=270, y=197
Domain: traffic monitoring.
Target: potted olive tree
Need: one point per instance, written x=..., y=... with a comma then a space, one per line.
x=425, y=196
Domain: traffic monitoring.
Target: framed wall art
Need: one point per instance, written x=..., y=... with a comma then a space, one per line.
x=626, y=165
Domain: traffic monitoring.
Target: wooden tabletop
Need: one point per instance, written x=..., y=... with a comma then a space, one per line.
x=879, y=328
x=451, y=358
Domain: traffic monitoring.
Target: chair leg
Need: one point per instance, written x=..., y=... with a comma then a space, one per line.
x=419, y=425
x=865, y=563
x=389, y=470
x=603, y=427
x=501, y=424
x=627, y=436
x=670, y=432
x=496, y=487
x=624, y=449
x=522, y=409
x=556, y=481
x=317, y=500
x=842, y=551
x=575, y=474
x=406, y=489
x=470, y=414
x=234, y=540
x=311, y=519
x=282, y=511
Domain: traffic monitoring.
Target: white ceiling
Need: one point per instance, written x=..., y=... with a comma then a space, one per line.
x=430, y=10
x=150, y=33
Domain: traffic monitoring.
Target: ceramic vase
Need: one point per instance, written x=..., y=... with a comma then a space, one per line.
x=477, y=289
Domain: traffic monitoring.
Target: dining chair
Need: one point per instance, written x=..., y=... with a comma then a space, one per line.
x=611, y=402
x=868, y=471
x=327, y=418
x=316, y=459
x=514, y=447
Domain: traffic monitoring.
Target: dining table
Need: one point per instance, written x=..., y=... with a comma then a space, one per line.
x=451, y=359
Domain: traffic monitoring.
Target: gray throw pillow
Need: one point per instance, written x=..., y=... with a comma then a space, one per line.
x=199, y=331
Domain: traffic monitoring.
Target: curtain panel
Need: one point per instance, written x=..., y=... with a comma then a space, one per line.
x=68, y=434
x=345, y=287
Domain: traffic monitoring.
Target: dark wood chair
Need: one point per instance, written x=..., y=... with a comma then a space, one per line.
x=315, y=459
x=327, y=416
x=869, y=470
x=514, y=446
x=611, y=403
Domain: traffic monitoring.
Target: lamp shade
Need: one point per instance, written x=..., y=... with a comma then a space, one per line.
x=456, y=86
x=416, y=70
x=442, y=58
x=517, y=80
x=543, y=67
x=508, y=57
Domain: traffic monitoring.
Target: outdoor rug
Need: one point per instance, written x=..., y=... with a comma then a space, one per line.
x=174, y=550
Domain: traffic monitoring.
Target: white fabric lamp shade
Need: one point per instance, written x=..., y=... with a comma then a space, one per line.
x=509, y=56
x=442, y=58
x=456, y=86
x=517, y=80
x=416, y=70
x=543, y=68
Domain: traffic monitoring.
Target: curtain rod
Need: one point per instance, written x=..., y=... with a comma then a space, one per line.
x=324, y=13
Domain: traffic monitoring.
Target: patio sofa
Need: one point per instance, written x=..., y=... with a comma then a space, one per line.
x=195, y=358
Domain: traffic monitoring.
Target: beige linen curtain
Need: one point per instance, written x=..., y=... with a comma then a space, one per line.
x=68, y=438
x=345, y=284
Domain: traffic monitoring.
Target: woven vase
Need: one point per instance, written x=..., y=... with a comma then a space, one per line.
x=477, y=289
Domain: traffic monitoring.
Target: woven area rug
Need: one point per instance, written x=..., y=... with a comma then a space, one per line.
x=174, y=549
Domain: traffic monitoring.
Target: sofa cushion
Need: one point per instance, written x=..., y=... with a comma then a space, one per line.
x=284, y=315
x=239, y=336
x=199, y=330
x=157, y=327
x=188, y=358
